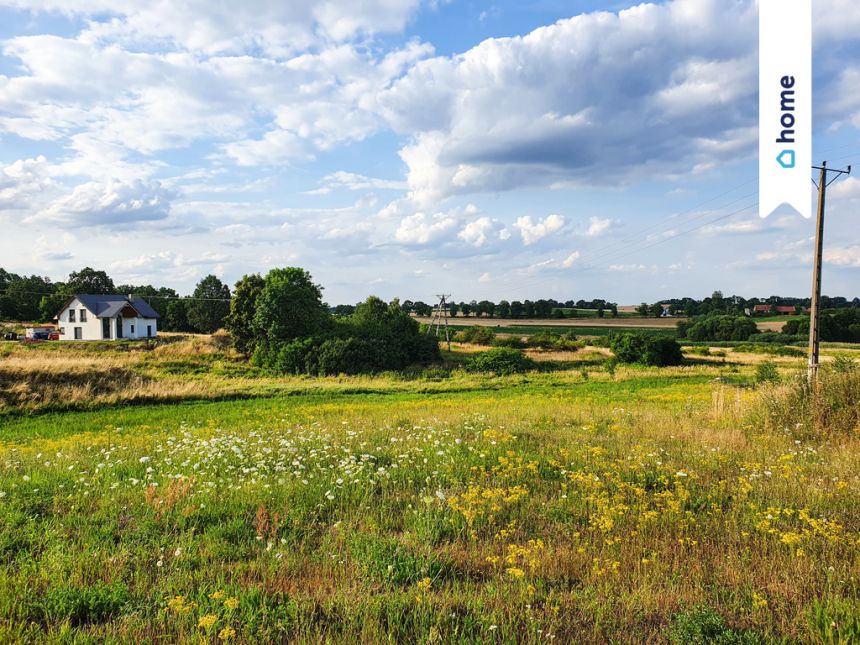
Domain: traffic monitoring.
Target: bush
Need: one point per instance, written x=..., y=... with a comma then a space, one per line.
x=501, y=361
x=478, y=335
x=645, y=349
x=516, y=342
x=703, y=625
x=550, y=340
x=96, y=603
x=766, y=372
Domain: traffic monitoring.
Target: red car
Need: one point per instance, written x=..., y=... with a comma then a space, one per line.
x=54, y=335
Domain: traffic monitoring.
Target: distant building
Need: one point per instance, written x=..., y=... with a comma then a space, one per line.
x=38, y=332
x=90, y=317
x=762, y=309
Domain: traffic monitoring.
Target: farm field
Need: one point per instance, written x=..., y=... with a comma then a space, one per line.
x=177, y=494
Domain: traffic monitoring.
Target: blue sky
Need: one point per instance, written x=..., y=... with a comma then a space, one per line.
x=512, y=150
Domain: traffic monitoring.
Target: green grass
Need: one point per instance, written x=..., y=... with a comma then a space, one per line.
x=638, y=505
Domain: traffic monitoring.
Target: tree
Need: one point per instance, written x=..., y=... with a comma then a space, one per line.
x=210, y=305
x=613, y=310
x=175, y=317
x=642, y=309
x=466, y=308
x=243, y=306
x=25, y=297
x=453, y=308
x=516, y=309
x=88, y=280
x=528, y=309
x=503, y=309
x=289, y=306
x=485, y=307
x=600, y=312
x=346, y=310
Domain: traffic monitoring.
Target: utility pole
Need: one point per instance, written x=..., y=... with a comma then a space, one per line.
x=815, y=305
x=440, y=317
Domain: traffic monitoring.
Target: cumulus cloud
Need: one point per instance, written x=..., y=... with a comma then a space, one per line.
x=112, y=204
x=605, y=97
x=532, y=231
x=420, y=229
x=597, y=226
x=475, y=233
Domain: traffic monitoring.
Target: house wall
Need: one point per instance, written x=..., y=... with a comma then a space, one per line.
x=140, y=325
x=90, y=330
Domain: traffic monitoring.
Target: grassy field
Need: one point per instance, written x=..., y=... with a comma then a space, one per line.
x=175, y=494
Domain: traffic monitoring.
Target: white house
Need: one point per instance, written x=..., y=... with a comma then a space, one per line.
x=88, y=317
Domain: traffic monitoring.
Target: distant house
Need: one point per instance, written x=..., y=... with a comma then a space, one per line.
x=785, y=310
x=89, y=317
x=762, y=309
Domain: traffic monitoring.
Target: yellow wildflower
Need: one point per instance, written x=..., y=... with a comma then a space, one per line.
x=424, y=584
x=231, y=603
x=207, y=621
x=217, y=595
x=227, y=633
x=515, y=572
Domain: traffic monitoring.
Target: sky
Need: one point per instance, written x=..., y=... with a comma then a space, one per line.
x=404, y=148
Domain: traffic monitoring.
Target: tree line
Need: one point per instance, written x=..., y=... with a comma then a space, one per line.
x=38, y=299
x=718, y=304
x=543, y=308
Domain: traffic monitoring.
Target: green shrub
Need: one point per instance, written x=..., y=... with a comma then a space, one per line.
x=501, y=361
x=766, y=372
x=554, y=341
x=478, y=335
x=836, y=621
x=96, y=603
x=515, y=342
x=646, y=349
x=704, y=626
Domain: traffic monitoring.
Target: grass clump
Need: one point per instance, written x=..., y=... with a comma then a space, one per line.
x=704, y=626
x=501, y=361
x=830, y=405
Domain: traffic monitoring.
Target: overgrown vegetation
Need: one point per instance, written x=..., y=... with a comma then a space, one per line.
x=501, y=361
x=717, y=328
x=638, y=504
x=646, y=349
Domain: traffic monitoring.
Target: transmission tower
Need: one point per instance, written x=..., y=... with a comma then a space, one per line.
x=440, y=318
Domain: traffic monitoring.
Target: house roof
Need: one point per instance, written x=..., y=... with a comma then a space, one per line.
x=108, y=306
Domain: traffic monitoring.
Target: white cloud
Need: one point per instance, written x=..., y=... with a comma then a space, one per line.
x=114, y=203
x=847, y=256
x=420, y=229
x=354, y=181
x=475, y=233
x=532, y=231
x=597, y=226
x=570, y=260
x=485, y=278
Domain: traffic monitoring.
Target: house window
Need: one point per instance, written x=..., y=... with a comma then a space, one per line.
x=79, y=334
x=132, y=329
x=106, y=328
x=71, y=315
x=83, y=315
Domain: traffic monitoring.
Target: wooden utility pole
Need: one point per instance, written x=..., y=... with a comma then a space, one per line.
x=440, y=317
x=815, y=305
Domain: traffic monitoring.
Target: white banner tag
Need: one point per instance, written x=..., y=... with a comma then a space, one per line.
x=785, y=105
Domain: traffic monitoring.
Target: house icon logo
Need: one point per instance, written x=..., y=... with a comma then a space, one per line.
x=786, y=159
